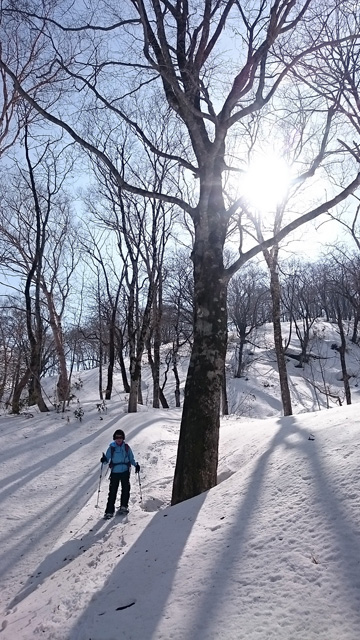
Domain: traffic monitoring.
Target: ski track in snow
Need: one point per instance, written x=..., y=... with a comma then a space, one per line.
x=39, y=535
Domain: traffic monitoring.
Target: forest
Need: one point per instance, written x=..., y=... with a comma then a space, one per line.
x=159, y=160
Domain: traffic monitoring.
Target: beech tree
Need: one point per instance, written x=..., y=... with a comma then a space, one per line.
x=178, y=313
x=249, y=308
x=13, y=113
x=300, y=298
x=37, y=245
x=14, y=350
x=208, y=67
x=347, y=278
x=109, y=282
x=141, y=230
x=340, y=311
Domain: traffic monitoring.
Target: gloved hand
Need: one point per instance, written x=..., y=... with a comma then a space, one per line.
x=103, y=459
x=137, y=468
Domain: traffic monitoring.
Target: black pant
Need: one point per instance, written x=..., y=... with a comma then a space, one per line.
x=115, y=480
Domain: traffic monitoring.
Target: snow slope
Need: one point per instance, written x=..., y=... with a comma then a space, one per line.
x=272, y=552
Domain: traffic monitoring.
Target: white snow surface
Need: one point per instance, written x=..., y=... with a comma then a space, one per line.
x=272, y=552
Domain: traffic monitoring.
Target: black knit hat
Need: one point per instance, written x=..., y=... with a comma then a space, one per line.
x=120, y=433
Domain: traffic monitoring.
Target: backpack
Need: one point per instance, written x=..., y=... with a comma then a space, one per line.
x=111, y=464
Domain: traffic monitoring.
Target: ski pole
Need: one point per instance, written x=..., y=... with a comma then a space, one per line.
x=138, y=475
x=98, y=495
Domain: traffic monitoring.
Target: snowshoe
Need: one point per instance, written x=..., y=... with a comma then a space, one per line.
x=123, y=511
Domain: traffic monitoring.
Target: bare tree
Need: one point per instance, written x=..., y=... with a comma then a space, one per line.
x=111, y=283
x=342, y=352
x=141, y=231
x=14, y=350
x=340, y=312
x=348, y=277
x=179, y=311
x=23, y=52
x=300, y=298
x=248, y=307
x=38, y=243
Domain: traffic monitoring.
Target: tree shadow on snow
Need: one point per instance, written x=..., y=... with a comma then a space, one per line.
x=331, y=514
x=134, y=580
x=63, y=556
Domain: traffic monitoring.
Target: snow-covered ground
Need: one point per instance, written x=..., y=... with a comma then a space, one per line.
x=273, y=552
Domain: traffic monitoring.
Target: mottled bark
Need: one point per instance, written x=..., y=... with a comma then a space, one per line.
x=196, y=465
x=197, y=458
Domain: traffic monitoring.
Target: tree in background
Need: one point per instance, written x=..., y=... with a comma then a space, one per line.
x=38, y=246
x=14, y=352
x=300, y=299
x=178, y=313
x=248, y=303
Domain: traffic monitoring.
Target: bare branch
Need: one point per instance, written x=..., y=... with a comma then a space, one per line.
x=295, y=224
x=94, y=150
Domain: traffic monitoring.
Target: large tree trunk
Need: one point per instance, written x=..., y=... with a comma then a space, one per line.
x=197, y=458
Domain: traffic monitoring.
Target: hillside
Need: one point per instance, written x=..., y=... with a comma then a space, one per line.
x=270, y=553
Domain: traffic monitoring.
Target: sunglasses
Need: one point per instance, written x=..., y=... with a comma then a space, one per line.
x=119, y=438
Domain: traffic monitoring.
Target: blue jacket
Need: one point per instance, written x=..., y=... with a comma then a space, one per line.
x=121, y=457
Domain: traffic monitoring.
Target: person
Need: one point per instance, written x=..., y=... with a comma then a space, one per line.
x=120, y=457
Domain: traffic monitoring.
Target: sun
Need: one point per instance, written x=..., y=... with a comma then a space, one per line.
x=266, y=182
